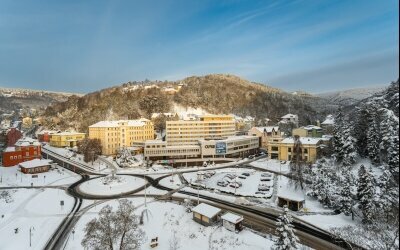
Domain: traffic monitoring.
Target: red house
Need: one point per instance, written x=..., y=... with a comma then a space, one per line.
x=13, y=135
x=44, y=135
x=25, y=149
x=35, y=166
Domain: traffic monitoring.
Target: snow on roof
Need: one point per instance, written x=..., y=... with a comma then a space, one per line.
x=268, y=129
x=68, y=133
x=289, y=116
x=291, y=197
x=47, y=132
x=233, y=218
x=26, y=141
x=303, y=140
x=206, y=210
x=329, y=120
x=114, y=124
x=35, y=163
x=311, y=127
x=9, y=149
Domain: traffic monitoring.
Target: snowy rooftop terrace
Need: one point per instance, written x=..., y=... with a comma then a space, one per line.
x=35, y=163
x=303, y=140
x=109, y=124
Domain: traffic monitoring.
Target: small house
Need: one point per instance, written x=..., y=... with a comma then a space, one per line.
x=232, y=222
x=205, y=214
x=35, y=166
x=292, y=202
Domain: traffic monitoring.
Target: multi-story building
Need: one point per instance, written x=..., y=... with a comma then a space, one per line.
x=290, y=118
x=308, y=131
x=265, y=133
x=205, y=127
x=282, y=149
x=25, y=149
x=235, y=146
x=66, y=139
x=123, y=133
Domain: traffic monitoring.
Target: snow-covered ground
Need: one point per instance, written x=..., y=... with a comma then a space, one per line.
x=172, y=181
x=249, y=185
x=110, y=186
x=38, y=209
x=12, y=177
x=272, y=165
x=167, y=218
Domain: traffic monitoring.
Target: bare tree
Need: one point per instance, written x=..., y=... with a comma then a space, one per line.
x=90, y=148
x=114, y=230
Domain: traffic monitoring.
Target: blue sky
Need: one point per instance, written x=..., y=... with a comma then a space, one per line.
x=83, y=46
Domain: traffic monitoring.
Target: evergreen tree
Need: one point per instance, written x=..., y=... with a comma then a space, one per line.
x=338, y=137
x=365, y=193
x=373, y=133
x=388, y=197
x=389, y=146
x=349, y=151
x=287, y=240
x=360, y=130
x=346, y=200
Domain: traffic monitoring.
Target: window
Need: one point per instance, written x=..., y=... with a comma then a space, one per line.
x=305, y=151
x=289, y=149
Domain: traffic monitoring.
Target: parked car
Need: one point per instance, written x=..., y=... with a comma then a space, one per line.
x=266, y=178
x=235, y=184
x=261, y=192
x=246, y=173
x=231, y=176
x=222, y=183
x=242, y=176
x=251, y=156
x=263, y=188
x=266, y=174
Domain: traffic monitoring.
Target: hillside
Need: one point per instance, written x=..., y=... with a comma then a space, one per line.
x=350, y=96
x=14, y=99
x=213, y=93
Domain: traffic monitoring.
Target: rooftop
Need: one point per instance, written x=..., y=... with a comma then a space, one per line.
x=35, y=163
x=114, y=124
x=233, y=218
x=289, y=116
x=303, y=140
x=206, y=210
x=267, y=129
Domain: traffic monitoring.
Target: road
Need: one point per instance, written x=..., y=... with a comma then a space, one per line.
x=262, y=220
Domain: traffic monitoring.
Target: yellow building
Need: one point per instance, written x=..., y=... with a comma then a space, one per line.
x=205, y=127
x=265, y=133
x=123, y=133
x=27, y=122
x=282, y=149
x=66, y=139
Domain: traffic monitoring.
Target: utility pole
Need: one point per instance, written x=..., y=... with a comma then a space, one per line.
x=30, y=235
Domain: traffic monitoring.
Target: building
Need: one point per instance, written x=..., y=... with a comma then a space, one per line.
x=265, y=133
x=25, y=149
x=292, y=202
x=204, y=127
x=44, y=135
x=66, y=139
x=35, y=166
x=232, y=222
x=308, y=131
x=328, y=124
x=282, y=149
x=290, y=118
x=13, y=135
x=27, y=122
x=123, y=133
x=234, y=146
x=205, y=214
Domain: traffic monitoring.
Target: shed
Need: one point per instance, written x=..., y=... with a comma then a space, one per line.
x=232, y=222
x=205, y=214
x=292, y=202
x=35, y=166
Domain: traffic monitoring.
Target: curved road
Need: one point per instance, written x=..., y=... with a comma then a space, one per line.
x=308, y=234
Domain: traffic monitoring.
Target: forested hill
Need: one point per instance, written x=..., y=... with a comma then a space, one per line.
x=215, y=93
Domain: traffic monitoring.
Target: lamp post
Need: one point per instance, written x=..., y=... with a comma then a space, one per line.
x=30, y=235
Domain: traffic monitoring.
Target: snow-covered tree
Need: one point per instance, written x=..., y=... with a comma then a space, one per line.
x=365, y=193
x=111, y=230
x=287, y=240
x=348, y=151
x=338, y=137
x=373, y=132
x=346, y=200
x=389, y=146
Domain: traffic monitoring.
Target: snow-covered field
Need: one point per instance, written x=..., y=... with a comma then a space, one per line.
x=167, y=218
x=38, y=209
x=12, y=177
x=110, y=186
x=249, y=185
x=172, y=181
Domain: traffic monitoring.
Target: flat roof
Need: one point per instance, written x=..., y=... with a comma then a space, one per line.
x=231, y=217
x=206, y=210
x=291, y=197
x=35, y=163
x=303, y=140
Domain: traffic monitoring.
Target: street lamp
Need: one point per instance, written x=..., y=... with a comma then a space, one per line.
x=30, y=235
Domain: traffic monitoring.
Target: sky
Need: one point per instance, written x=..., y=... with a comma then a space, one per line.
x=83, y=46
